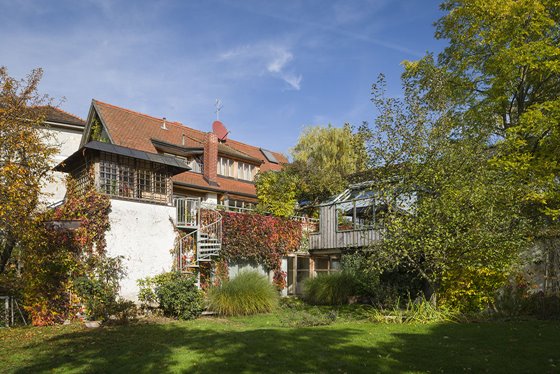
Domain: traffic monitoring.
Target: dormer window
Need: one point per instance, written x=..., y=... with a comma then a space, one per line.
x=196, y=164
x=225, y=167
x=246, y=171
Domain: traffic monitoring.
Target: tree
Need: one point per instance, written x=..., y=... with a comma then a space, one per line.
x=496, y=83
x=451, y=215
x=324, y=158
x=24, y=157
x=277, y=192
x=502, y=74
x=475, y=142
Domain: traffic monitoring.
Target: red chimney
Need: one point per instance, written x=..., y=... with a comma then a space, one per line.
x=211, y=158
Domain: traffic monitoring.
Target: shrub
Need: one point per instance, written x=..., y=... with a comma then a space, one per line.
x=248, y=293
x=331, y=289
x=261, y=239
x=124, y=311
x=175, y=294
x=98, y=289
x=471, y=289
x=367, y=276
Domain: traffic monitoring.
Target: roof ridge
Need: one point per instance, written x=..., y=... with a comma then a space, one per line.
x=167, y=122
x=176, y=123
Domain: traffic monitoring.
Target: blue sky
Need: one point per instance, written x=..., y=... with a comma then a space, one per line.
x=277, y=66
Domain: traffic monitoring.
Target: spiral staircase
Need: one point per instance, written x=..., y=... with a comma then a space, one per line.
x=200, y=239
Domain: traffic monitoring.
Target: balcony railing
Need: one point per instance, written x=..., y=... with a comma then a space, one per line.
x=187, y=211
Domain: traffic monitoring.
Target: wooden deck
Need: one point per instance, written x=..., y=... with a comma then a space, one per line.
x=330, y=237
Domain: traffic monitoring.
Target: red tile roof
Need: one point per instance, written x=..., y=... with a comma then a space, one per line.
x=60, y=116
x=136, y=130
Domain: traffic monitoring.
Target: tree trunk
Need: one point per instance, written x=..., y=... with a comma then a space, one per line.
x=430, y=291
x=6, y=253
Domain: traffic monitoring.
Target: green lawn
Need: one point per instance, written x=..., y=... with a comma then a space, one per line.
x=260, y=345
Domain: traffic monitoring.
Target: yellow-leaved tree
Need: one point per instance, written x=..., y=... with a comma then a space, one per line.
x=24, y=158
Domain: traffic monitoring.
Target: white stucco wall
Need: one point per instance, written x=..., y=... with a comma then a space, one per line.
x=211, y=198
x=68, y=142
x=144, y=236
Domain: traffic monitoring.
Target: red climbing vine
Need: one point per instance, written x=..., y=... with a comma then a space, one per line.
x=262, y=239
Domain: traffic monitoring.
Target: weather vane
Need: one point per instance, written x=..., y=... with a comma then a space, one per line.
x=219, y=106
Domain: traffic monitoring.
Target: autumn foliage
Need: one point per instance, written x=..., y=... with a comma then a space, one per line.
x=261, y=239
x=24, y=158
x=55, y=257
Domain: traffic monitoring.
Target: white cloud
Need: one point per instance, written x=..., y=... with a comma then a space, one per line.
x=277, y=64
x=262, y=59
x=293, y=80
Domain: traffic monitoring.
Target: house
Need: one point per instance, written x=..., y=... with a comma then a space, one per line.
x=163, y=177
x=347, y=222
x=65, y=132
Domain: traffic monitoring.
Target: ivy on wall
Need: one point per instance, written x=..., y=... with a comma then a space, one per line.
x=55, y=256
x=92, y=210
x=48, y=264
x=261, y=239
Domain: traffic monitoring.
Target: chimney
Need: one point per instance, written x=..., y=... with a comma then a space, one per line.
x=163, y=127
x=211, y=159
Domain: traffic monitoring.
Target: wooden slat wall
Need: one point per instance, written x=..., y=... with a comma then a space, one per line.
x=329, y=238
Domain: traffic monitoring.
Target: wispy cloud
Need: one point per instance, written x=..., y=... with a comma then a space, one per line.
x=336, y=22
x=264, y=58
x=280, y=60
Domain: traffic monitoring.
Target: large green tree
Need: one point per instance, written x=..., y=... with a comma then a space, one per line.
x=24, y=158
x=502, y=78
x=324, y=158
x=474, y=145
x=277, y=192
x=451, y=215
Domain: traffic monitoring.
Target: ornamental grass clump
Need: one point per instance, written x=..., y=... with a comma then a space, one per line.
x=331, y=289
x=248, y=293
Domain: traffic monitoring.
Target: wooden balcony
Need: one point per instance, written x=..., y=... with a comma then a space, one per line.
x=331, y=235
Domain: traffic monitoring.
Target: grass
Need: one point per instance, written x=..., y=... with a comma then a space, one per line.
x=248, y=293
x=259, y=344
x=419, y=311
x=330, y=289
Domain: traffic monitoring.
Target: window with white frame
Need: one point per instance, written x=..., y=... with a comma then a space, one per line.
x=225, y=167
x=245, y=171
x=196, y=164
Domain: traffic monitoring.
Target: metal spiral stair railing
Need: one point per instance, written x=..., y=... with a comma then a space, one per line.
x=209, y=237
x=203, y=243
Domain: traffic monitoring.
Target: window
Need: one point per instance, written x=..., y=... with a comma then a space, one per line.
x=298, y=272
x=239, y=205
x=225, y=167
x=326, y=265
x=108, y=175
x=356, y=211
x=245, y=171
x=196, y=164
x=133, y=179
